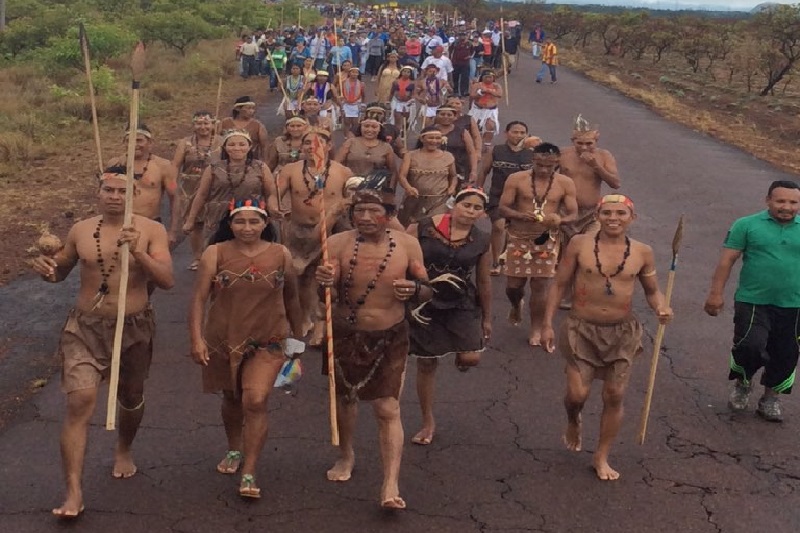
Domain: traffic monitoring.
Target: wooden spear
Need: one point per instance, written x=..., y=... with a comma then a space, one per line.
x=676, y=244
x=137, y=67
x=84, y=40
x=219, y=100
x=319, y=162
x=503, y=53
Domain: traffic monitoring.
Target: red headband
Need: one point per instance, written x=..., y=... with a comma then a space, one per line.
x=616, y=199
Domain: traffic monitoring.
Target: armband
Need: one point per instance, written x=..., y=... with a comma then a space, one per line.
x=648, y=274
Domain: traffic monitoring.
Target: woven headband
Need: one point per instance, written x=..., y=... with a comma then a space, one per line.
x=616, y=199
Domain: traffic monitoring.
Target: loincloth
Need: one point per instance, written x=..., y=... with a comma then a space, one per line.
x=526, y=259
x=304, y=243
x=414, y=209
x=601, y=351
x=246, y=367
x=483, y=115
x=86, y=345
x=585, y=223
x=369, y=364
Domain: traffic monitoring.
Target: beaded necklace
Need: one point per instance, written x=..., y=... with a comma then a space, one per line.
x=144, y=170
x=293, y=86
x=228, y=174
x=540, y=202
x=620, y=267
x=203, y=153
x=348, y=281
x=104, y=274
x=314, y=184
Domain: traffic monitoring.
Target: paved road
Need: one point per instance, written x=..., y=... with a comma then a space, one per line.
x=497, y=463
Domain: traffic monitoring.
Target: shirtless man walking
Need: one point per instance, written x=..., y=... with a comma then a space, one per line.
x=531, y=202
x=154, y=177
x=589, y=167
x=305, y=181
x=601, y=337
x=87, y=338
x=367, y=274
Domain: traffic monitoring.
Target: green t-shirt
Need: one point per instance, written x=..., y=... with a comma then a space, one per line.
x=770, y=260
x=279, y=58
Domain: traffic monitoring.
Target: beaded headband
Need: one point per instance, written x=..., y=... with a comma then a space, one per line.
x=296, y=119
x=322, y=73
x=140, y=131
x=373, y=196
x=432, y=132
x=227, y=134
x=472, y=190
x=410, y=69
x=251, y=204
x=112, y=176
x=351, y=69
x=202, y=116
x=486, y=72
x=370, y=119
x=318, y=131
x=446, y=108
x=616, y=199
x=244, y=104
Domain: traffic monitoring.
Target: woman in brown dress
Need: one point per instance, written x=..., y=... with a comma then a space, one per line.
x=458, y=142
x=241, y=345
x=192, y=156
x=237, y=175
x=243, y=118
x=428, y=175
x=368, y=151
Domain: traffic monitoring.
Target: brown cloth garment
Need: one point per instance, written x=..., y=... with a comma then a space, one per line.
x=362, y=159
x=369, y=364
x=195, y=161
x=246, y=317
x=225, y=187
x=86, y=345
x=586, y=223
x=527, y=259
x=253, y=128
x=601, y=351
x=432, y=184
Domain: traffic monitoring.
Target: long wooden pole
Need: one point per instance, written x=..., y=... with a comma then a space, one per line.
x=299, y=16
x=88, y=67
x=219, y=99
x=280, y=84
x=505, y=65
x=137, y=67
x=339, y=58
x=676, y=243
x=319, y=163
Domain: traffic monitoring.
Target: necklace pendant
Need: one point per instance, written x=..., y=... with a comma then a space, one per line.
x=609, y=290
x=319, y=181
x=538, y=213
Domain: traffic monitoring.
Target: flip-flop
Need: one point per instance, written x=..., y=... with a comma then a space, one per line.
x=68, y=516
x=248, y=487
x=230, y=464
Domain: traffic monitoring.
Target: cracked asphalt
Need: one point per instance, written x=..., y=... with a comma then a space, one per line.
x=497, y=463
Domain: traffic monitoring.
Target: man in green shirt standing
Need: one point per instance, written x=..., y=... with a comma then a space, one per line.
x=766, y=316
x=278, y=63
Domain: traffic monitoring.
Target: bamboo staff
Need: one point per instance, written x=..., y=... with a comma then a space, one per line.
x=319, y=163
x=84, y=40
x=137, y=67
x=339, y=58
x=503, y=53
x=280, y=84
x=676, y=243
x=219, y=99
x=299, y=16
x=281, y=26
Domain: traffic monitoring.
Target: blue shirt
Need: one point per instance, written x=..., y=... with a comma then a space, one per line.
x=340, y=54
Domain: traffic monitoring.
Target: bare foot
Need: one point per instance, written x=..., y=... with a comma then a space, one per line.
x=307, y=327
x=515, y=314
x=535, y=338
x=123, y=465
x=424, y=436
x=390, y=498
x=71, y=508
x=603, y=470
x=572, y=435
x=342, y=470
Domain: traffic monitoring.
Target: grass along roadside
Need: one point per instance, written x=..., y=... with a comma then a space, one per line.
x=755, y=124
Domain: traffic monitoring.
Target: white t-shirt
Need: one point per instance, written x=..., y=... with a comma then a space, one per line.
x=444, y=64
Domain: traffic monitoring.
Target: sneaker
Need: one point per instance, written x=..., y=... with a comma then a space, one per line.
x=740, y=396
x=769, y=408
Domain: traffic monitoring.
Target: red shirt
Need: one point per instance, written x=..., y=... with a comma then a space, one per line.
x=414, y=48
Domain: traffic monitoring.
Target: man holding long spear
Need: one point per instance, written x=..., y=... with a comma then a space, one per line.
x=367, y=274
x=86, y=340
x=601, y=337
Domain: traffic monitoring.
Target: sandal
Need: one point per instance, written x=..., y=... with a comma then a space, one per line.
x=248, y=487
x=230, y=464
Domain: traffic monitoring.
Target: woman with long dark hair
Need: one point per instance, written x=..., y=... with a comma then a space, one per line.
x=253, y=291
x=237, y=175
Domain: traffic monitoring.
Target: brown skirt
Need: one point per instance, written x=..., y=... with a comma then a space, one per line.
x=601, y=351
x=368, y=364
x=586, y=223
x=526, y=259
x=414, y=209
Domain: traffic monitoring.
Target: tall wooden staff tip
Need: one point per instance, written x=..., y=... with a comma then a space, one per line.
x=137, y=68
x=676, y=244
x=87, y=64
x=505, y=60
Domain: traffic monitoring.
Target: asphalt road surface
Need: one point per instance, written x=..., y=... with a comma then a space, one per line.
x=497, y=462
